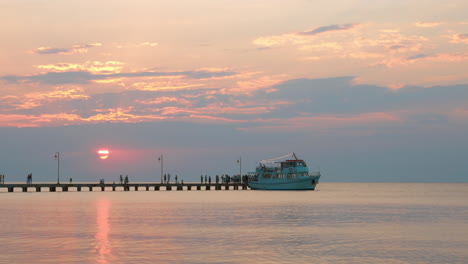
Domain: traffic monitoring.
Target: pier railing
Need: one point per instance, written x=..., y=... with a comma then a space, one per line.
x=78, y=187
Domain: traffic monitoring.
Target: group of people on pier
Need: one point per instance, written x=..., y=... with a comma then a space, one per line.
x=167, y=179
x=225, y=179
x=123, y=180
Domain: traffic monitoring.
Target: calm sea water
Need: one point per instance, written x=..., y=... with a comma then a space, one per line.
x=338, y=223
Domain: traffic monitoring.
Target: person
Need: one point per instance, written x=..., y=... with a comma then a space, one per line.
x=165, y=177
x=168, y=178
x=121, y=179
x=126, y=179
x=71, y=180
x=29, y=179
x=217, y=179
x=209, y=179
x=206, y=178
x=176, y=178
x=201, y=179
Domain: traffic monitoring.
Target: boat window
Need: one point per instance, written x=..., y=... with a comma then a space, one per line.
x=291, y=175
x=266, y=176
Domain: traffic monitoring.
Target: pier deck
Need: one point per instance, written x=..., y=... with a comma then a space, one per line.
x=78, y=187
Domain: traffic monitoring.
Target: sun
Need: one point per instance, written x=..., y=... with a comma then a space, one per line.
x=103, y=154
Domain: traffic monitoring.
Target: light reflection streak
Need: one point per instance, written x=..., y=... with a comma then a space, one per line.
x=102, y=236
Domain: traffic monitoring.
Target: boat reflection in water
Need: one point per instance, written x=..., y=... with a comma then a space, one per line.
x=283, y=173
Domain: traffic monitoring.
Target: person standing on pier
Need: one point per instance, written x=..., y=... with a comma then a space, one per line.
x=168, y=178
x=71, y=180
x=201, y=179
x=217, y=179
x=209, y=179
x=206, y=179
x=121, y=179
x=176, y=179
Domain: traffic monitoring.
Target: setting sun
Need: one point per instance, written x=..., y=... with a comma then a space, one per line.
x=103, y=153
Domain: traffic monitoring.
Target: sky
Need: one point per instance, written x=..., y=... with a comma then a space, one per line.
x=364, y=91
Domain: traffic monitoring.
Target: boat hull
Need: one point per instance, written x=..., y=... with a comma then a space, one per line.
x=308, y=183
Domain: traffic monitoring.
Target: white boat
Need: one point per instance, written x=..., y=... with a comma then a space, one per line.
x=283, y=173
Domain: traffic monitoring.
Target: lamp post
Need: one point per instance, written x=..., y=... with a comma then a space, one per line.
x=239, y=161
x=57, y=157
x=162, y=166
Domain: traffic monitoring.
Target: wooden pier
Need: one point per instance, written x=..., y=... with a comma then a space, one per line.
x=78, y=187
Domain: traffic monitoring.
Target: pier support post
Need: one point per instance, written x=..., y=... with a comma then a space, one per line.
x=38, y=189
x=113, y=188
x=11, y=189
x=207, y=188
x=65, y=189
x=236, y=187
x=226, y=187
x=156, y=188
x=168, y=188
x=198, y=187
x=147, y=187
x=78, y=188
x=25, y=189
x=244, y=187
x=180, y=188
x=90, y=188
x=189, y=187
x=52, y=189
x=103, y=188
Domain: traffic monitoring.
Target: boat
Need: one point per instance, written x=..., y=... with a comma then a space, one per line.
x=283, y=173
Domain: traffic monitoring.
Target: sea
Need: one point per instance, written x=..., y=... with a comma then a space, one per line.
x=337, y=223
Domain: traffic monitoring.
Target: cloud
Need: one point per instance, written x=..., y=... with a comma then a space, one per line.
x=89, y=66
x=330, y=28
x=74, y=49
x=297, y=38
x=84, y=77
x=417, y=56
x=427, y=24
x=460, y=38
x=303, y=104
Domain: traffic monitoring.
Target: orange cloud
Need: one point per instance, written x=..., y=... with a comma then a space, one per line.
x=428, y=24
x=89, y=66
x=460, y=38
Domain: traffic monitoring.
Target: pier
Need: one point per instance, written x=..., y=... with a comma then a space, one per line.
x=78, y=187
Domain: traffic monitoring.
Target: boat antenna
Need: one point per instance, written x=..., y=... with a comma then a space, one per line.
x=294, y=155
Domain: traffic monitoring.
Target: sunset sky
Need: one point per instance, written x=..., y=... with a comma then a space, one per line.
x=363, y=90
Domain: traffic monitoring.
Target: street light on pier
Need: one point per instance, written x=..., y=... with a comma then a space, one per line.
x=239, y=161
x=160, y=159
x=57, y=157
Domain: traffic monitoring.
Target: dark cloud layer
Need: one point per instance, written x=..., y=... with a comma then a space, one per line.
x=323, y=29
x=83, y=77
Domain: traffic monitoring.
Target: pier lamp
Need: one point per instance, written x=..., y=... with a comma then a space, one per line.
x=239, y=161
x=57, y=157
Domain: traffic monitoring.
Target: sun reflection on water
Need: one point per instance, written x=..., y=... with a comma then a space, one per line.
x=102, y=247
